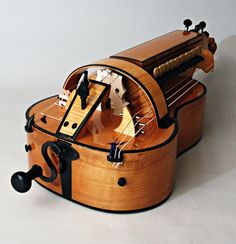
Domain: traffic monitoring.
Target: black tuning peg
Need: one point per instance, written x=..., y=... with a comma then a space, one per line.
x=187, y=23
x=197, y=28
x=206, y=33
x=202, y=25
x=22, y=181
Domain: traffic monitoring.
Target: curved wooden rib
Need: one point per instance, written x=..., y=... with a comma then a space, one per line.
x=141, y=77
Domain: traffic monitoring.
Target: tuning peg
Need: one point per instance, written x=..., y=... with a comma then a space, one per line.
x=206, y=34
x=197, y=28
x=187, y=23
x=202, y=25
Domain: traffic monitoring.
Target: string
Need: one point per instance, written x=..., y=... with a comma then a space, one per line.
x=179, y=90
x=114, y=80
x=150, y=122
x=129, y=123
x=47, y=108
x=183, y=94
x=176, y=85
x=131, y=130
x=52, y=117
x=197, y=71
x=57, y=104
x=134, y=136
x=43, y=111
x=207, y=68
x=145, y=116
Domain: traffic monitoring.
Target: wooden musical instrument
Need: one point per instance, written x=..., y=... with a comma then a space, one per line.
x=110, y=139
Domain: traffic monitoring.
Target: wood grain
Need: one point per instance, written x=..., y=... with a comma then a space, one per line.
x=154, y=50
x=133, y=73
x=149, y=160
x=149, y=174
x=76, y=115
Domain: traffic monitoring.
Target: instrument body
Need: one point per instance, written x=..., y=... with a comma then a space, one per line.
x=98, y=161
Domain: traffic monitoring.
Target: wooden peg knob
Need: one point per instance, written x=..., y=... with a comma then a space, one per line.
x=22, y=181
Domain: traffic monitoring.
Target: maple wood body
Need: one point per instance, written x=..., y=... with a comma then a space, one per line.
x=149, y=173
x=149, y=162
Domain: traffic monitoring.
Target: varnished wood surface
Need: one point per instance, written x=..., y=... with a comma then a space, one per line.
x=208, y=64
x=149, y=179
x=149, y=174
x=77, y=115
x=150, y=49
x=148, y=162
x=190, y=119
x=94, y=180
x=127, y=126
x=155, y=49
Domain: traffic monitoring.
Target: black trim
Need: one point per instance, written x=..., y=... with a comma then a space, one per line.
x=124, y=151
x=165, y=122
x=89, y=114
x=110, y=211
x=66, y=181
x=65, y=162
x=53, y=171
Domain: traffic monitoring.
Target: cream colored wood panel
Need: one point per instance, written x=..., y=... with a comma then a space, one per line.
x=76, y=115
